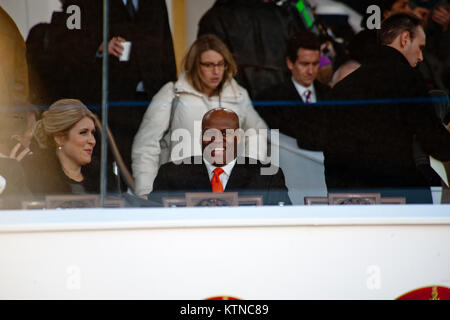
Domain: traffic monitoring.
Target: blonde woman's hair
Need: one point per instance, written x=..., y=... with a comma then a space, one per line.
x=191, y=62
x=58, y=120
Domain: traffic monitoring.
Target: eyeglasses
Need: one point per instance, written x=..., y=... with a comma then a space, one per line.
x=211, y=66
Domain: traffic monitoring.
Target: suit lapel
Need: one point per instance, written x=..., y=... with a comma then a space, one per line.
x=122, y=8
x=321, y=90
x=292, y=92
x=121, y=5
x=144, y=10
x=239, y=177
x=197, y=178
x=202, y=182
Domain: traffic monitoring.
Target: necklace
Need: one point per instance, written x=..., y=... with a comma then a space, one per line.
x=74, y=175
x=77, y=176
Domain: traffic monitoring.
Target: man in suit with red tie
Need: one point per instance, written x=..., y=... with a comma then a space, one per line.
x=292, y=106
x=220, y=169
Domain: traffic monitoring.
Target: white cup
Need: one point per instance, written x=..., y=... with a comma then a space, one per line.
x=126, y=51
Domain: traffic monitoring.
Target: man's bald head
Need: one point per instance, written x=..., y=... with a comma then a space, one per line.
x=220, y=117
x=220, y=136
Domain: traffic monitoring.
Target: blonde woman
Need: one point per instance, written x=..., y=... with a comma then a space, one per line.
x=206, y=82
x=66, y=137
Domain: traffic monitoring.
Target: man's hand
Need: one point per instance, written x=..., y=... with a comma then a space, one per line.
x=442, y=17
x=115, y=47
x=21, y=155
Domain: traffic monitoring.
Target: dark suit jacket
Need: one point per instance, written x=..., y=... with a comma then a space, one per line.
x=175, y=180
x=152, y=61
x=152, y=58
x=16, y=189
x=369, y=144
x=283, y=108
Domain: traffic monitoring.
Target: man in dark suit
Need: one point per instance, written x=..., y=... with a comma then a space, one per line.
x=259, y=50
x=150, y=65
x=370, y=138
x=292, y=106
x=220, y=169
x=145, y=24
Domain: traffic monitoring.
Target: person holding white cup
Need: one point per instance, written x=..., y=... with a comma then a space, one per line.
x=118, y=47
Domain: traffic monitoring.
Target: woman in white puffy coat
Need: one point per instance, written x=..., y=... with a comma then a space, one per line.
x=178, y=108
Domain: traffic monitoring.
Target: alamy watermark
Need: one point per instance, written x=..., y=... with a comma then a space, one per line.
x=373, y=280
x=73, y=280
x=73, y=22
x=374, y=20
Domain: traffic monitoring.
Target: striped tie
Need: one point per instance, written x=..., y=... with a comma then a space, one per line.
x=308, y=96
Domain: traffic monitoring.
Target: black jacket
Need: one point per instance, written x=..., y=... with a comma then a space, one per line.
x=175, y=180
x=45, y=177
x=152, y=58
x=369, y=143
x=256, y=34
x=283, y=108
x=72, y=68
x=63, y=61
x=16, y=189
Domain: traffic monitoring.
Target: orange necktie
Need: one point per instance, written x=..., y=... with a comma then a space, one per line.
x=216, y=184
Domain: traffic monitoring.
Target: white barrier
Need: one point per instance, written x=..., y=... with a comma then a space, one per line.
x=299, y=252
x=303, y=170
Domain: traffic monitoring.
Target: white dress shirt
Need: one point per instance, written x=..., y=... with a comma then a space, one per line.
x=225, y=176
x=302, y=91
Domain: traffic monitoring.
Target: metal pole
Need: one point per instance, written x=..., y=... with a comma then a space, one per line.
x=104, y=153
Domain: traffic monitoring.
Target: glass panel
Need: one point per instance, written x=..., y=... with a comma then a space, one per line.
x=317, y=110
